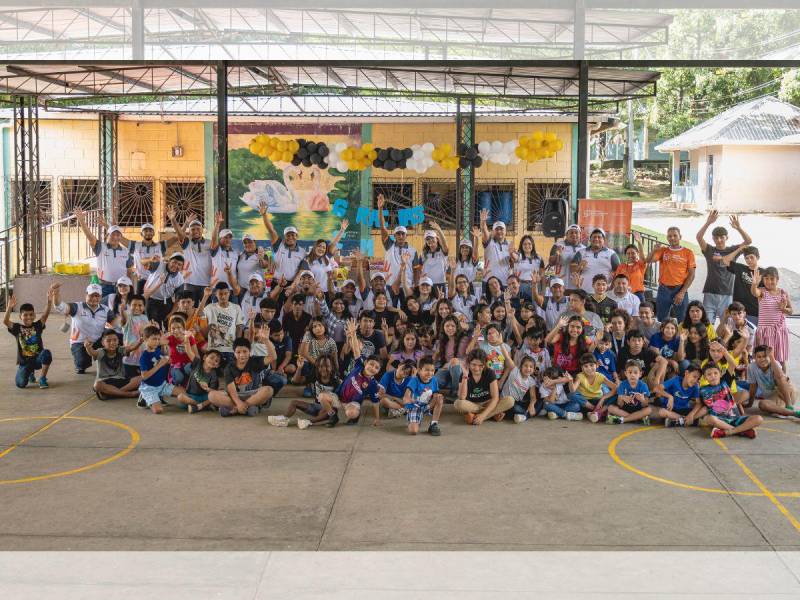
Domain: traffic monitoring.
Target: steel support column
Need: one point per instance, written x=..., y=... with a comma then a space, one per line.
x=26, y=184
x=583, y=134
x=222, y=141
x=108, y=179
x=579, y=30
x=465, y=178
x=137, y=30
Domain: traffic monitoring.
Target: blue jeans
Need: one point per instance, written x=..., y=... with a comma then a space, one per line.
x=521, y=408
x=581, y=399
x=80, y=357
x=562, y=409
x=25, y=371
x=108, y=289
x=716, y=305
x=664, y=303
x=525, y=293
x=274, y=380
x=640, y=296
x=449, y=377
x=178, y=375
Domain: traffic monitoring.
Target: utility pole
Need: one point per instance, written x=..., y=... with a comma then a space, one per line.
x=628, y=171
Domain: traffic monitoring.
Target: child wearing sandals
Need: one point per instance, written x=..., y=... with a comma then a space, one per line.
x=323, y=380
x=202, y=379
x=591, y=389
x=633, y=398
x=677, y=397
x=725, y=416
x=422, y=398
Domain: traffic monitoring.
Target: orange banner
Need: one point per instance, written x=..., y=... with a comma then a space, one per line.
x=612, y=216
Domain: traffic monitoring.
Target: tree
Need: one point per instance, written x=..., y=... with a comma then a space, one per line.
x=790, y=87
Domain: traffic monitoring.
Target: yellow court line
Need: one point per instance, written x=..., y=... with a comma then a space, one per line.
x=762, y=428
x=134, y=435
x=45, y=427
x=764, y=490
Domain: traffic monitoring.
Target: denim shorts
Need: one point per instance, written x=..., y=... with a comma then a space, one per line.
x=153, y=393
x=733, y=420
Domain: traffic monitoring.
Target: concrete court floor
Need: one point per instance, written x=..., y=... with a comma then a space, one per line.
x=199, y=482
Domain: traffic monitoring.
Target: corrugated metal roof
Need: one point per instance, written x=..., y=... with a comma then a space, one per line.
x=764, y=121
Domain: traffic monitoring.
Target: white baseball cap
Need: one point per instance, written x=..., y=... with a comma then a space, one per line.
x=499, y=225
x=196, y=222
x=574, y=227
x=256, y=277
x=598, y=230
x=465, y=242
x=425, y=280
x=124, y=280
x=247, y=236
x=225, y=232
x=290, y=229
x=348, y=282
x=147, y=226
x=114, y=229
x=556, y=281
x=177, y=255
x=400, y=229
x=430, y=233
x=305, y=273
x=94, y=288
x=378, y=274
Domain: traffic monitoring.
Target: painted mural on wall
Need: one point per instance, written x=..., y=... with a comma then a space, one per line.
x=295, y=195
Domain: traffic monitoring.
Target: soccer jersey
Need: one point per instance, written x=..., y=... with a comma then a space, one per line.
x=602, y=262
x=434, y=265
x=393, y=262
x=357, y=387
x=87, y=324
x=247, y=263
x=171, y=285
x=392, y=387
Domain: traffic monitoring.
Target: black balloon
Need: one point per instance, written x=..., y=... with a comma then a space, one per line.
x=389, y=165
x=396, y=154
x=311, y=147
x=297, y=161
x=306, y=162
x=302, y=142
x=407, y=153
x=378, y=164
x=477, y=162
x=322, y=150
x=315, y=159
x=401, y=164
x=464, y=162
x=383, y=154
x=472, y=153
x=462, y=148
x=302, y=153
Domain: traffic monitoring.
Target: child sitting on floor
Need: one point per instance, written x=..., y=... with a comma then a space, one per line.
x=422, y=398
x=521, y=388
x=677, y=397
x=110, y=380
x=633, y=398
x=154, y=364
x=556, y=402
x=203, y=378
x=591, y=389
x=392, y=388
x=725, y=417
x=769, y=385
x=323, y=379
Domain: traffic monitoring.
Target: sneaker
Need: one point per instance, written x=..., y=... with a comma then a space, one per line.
x=613, y=420
x=750, y=433
x=574, y=416
x=164, y=401
x=43, y=384
x=646, y=421
x=192, y=408
x=225, y=411
x=332, y=420
x=669, y=423
x=278, y=420
x=681, y=422
x=308, y=392
x=252, y=411
x=80, y=371
x=499, y=416
x=434, y=429
x=552, y=416
x=469, y=418
x=395, y=412
x=716, y=433
x=141, y=403
x=594, y=416
x=520, y=418
x=303, y=423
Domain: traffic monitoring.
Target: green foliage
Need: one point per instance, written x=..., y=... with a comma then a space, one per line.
x=790, y=87
x=243, y=168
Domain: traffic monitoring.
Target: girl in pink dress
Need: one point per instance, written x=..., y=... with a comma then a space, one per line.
x=773, y=306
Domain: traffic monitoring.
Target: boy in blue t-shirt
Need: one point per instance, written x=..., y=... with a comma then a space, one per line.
x=633, y=398
x=677, y=397
x=725, y=416
x=606, y=359
x=392, y=387
x=422, y=398
x=154, y=364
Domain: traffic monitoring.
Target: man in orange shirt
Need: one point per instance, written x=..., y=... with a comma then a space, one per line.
x=675, y=275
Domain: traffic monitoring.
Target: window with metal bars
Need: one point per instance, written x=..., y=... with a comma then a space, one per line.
x=43, y=189
x=439, y=197
x=135, y=202
x=499, y=197
x=537, y=192
x=187, y=196
x=78, y=192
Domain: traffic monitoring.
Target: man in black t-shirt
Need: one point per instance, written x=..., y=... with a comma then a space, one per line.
x=654, y=366
x=31, y=353
x=244, y=393
x=743, y=279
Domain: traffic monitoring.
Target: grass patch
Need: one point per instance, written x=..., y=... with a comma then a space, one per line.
x=607, y=184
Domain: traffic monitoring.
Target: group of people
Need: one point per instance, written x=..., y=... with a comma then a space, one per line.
x=571, y=335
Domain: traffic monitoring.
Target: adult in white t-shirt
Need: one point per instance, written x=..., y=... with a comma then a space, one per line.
x=595, y=260
x=286, y=253
x=197, y=253
x=562, y=253
x=223, y=256
x=621, y=294
x=496, y=250
x=114, y=258
x=225, y=321
x=394, y=249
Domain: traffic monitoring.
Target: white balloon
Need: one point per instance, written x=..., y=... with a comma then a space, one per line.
x=415, y=147
x=411, y=163
x=428, y=147
x=418, y=154
x=340, y=146
x=429, y=162
x=515, y=160
x=484, y=147
x=504, y=159
x=497, y=146
x=420, y=170
x=509, y=147
x=342, y=166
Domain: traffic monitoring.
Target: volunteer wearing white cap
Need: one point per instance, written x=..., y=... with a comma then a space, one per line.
x=395, y=249
x=223, y=255
x=122, y=295
x=497, y=252
x=553, y=305
x=113, y=256
x=594, y=260
x=161, y=286
x=352, y=301
x=196, y=252
x=147, y=254
x=376, y=284
x=527, y=265
x=563, y=251
x=287, y=254
x=466, y=263
x=251, y=261
x=89, y=319
x=432, y=263
x=252, y=297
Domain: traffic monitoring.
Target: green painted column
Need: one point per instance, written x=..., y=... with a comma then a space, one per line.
x=209, y=168
x=366, y=184
x=573, y=188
